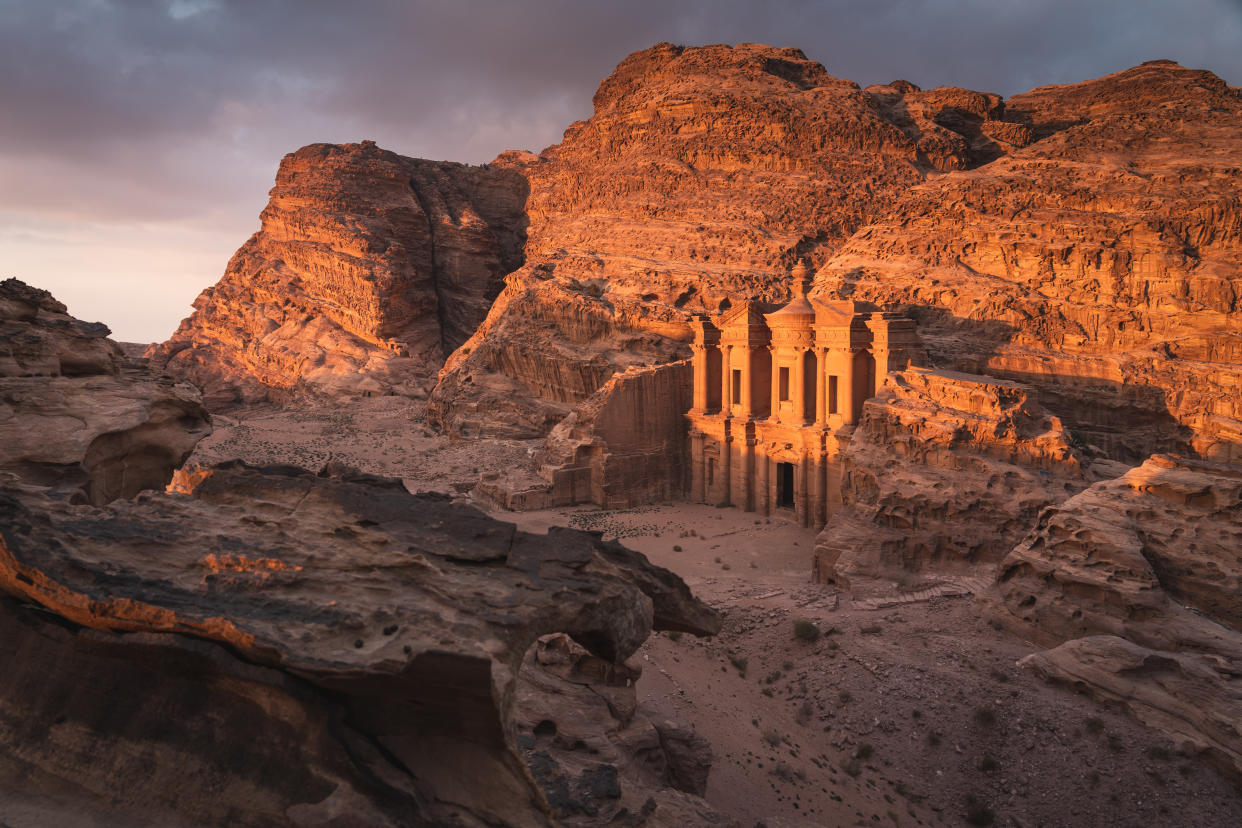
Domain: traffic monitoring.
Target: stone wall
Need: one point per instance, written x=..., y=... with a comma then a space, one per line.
x=626, y=445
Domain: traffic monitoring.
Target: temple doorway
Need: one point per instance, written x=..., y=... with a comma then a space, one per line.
x=785, y=485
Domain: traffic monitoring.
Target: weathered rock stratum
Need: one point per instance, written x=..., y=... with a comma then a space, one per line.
x=368, y=269
x=944, y=473
x=1101, y=263
x=1133, y=584
x=267, y=646
x=77, y=414
x=364, y=641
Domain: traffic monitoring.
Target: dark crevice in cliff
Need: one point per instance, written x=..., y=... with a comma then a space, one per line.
x=435, y=267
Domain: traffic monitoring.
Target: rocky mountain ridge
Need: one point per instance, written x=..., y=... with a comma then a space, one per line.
x=1083, y=238
x=1100, y=264
x=369, y=268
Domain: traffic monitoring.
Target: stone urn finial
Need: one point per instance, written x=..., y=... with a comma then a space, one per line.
x=800, y=275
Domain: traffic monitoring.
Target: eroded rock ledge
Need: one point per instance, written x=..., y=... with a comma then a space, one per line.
x=263, y=646
x=944, y=473
x=1133, y=585
x=76, y=413
x=408, y=616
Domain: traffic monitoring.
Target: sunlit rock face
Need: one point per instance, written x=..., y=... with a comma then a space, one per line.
x=942, y=476
x=1134, y=585
x=369, y=268
x=1100, y=263
x=1082, y=238
x=703, y=175
x=79, y=416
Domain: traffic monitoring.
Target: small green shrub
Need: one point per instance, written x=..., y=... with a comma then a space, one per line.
x=805, y=630
x=978, y=812
x=864, y=751
x=852, y=766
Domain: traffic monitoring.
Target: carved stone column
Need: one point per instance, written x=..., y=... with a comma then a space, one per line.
x=698, y=473
x=774, y=416
x=797, y=394
x=762, y=493
x=747, y=409
x=699, y=365
x=841, y=363
x=821, y=386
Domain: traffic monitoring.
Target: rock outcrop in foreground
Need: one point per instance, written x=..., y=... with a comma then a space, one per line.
x=369, y=268
x=76, y=414
x=271, y=646
x=361, y=641
x=944, y=473
x=1134, y=585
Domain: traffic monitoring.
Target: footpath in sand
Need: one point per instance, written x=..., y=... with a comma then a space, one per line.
x=907, y=709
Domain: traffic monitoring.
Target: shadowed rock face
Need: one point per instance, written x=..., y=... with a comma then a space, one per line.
x=405, y=616
x=597, y=753
x=368, y=269
x=263, y=646
x=1134, y=584
x=77, y=414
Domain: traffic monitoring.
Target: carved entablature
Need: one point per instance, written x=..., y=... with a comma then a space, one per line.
x=705, y=333
x=893, y=330
x=744, y=326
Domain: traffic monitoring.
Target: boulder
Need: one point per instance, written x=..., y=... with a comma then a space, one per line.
x=1133, y=584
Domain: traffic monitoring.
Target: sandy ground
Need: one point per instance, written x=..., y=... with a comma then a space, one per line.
x=901, y=712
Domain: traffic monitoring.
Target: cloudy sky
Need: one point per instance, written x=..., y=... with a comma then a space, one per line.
x=138, y=138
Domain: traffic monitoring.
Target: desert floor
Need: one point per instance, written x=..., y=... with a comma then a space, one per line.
x=908, y=709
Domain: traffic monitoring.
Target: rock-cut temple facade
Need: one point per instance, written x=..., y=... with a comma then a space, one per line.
x=777, y=394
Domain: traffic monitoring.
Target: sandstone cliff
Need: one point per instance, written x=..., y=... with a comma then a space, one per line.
x=368, y=269
x=1100, y=263
x=1081, y=238
x=702, y=176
